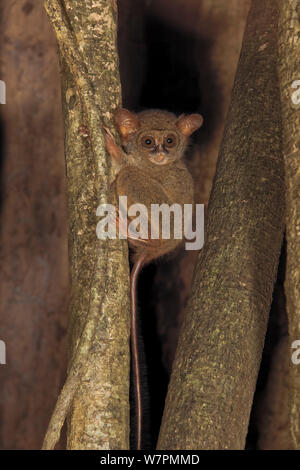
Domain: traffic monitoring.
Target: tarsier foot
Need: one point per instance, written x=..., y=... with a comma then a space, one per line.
x=123, y=229
x=133, y=238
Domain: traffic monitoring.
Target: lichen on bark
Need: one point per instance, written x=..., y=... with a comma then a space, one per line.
x=96, y=391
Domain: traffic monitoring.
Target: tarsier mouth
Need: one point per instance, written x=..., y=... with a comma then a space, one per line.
x=160, y=159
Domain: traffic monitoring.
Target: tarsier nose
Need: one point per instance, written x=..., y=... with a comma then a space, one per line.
x=159, y=157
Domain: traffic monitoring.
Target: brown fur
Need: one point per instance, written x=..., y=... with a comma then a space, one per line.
x=145, y=181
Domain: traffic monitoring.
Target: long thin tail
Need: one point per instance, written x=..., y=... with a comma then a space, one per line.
x=134, y=347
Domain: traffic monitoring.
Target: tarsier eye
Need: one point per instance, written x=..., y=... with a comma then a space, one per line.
x=170, y=140
x=148, y=141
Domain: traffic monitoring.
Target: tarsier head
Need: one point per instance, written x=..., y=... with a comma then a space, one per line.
x=156, y=136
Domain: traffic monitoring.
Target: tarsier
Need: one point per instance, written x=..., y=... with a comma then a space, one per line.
x=150, y=170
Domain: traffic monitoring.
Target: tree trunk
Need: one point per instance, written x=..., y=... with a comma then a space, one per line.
x=97, y=388
x=222, y=336
x=34, y=261
x=289, y=75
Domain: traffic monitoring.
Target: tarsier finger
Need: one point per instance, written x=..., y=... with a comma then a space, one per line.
x=114, y=151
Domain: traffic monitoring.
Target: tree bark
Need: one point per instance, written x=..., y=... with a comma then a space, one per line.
x=97, y=388
x=222, y=336
x=34, y=260
x=289, y=75
x=272, y=412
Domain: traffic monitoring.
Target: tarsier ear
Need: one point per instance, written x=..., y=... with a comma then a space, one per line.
x=187, y=124
x=127, y=122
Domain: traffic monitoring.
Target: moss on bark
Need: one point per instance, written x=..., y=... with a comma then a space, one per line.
x=220, y=346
